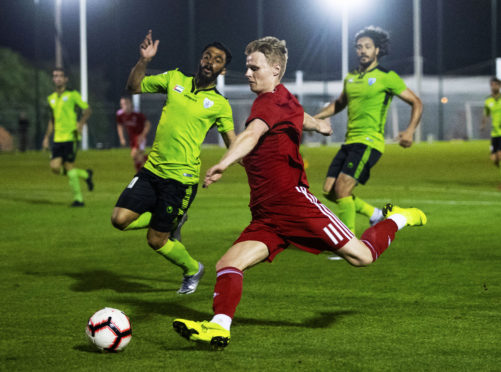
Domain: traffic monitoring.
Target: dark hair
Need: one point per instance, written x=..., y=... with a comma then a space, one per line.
x=126, y=96
x=59, y=69
x=380, y=37
x=494, y=79
x=222, y=47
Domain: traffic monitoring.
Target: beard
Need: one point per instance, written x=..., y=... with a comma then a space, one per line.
x=203, y=79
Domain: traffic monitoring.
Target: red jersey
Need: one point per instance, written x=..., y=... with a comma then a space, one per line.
x=133, y=121
x=275, y=165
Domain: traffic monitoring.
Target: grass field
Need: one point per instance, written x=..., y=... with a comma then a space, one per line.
x=432, y=302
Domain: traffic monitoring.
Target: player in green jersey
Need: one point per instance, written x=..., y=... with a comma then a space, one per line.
x=67, y=129
x=160, y=194
x=367, y=92
x=492, y=109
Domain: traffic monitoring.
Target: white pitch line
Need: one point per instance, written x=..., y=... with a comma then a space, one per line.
x=440, y=202
x=495, y=194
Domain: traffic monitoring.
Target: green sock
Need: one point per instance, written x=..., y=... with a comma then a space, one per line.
x=141, y=222
x=82, y=173
x=176, y=253
x=346, y=212
x=75, y=184
x=363, y=207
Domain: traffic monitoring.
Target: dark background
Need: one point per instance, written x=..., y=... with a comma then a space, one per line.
x=311, y=29
x=459, y=37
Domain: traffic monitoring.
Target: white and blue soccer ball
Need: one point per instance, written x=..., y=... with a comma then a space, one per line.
x=109, y=329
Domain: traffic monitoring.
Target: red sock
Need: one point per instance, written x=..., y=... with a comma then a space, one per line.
x=379, y=237
x=228, y=291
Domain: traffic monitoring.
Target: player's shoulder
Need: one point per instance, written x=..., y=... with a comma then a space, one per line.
x=385, y=71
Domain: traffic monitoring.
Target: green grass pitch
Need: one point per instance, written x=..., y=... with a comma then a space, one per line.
x=432, y=302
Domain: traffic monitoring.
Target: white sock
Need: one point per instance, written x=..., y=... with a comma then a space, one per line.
x=399, y=219
x=376, y=216
x=223, y=320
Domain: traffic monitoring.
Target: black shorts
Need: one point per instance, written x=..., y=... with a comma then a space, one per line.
x=166, y=199
x=355, y=160
x=65, y=150
x=495, y=144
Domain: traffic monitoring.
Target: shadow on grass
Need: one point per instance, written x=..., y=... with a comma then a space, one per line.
x=95, y=280
x=87, y=348
x=176, y=309
x=33, y=201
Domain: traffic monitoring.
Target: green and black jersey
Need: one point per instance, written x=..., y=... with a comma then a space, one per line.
x=187, y=116
x=369, y=95
x=492, y=108
x=64, y=114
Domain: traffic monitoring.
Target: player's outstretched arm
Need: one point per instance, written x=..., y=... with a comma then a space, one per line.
x=244, y=143
x=405, y=138
x=321, y=126
x=333, y=108
x=147, y=50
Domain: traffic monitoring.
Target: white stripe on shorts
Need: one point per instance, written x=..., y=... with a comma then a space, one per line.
x=337, y=226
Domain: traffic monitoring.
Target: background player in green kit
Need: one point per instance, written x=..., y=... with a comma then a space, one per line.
x=162, y=191
x=367, y=92
x=492, y=109
x=63, y=122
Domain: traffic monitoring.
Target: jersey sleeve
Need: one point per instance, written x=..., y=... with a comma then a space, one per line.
x=225, y=121
x=156, y=83
x=264, y=109
x=395, y=84
x=77, y=98
x=118, y=117
x=487, y=111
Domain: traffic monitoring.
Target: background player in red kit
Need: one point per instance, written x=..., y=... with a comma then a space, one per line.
x=137, y=129
x=283, y=211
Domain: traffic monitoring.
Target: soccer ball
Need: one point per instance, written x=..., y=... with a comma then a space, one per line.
x=109, y=329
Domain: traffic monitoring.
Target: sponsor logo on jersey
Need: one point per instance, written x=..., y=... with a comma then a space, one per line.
x=208, y=103
x=179, y=88
x=372, y=81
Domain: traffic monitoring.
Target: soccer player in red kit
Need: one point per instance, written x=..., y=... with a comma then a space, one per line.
x=283, y=211
x=137, y=127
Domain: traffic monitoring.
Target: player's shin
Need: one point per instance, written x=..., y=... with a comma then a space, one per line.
x=379, y=237
x=227, y=294
x=141, y=222
x=346, y=212
x=74, y=183
x=176, y=253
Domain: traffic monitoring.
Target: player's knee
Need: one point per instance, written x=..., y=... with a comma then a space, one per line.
x=119, y=222
x=156, y=242
x=225, y=262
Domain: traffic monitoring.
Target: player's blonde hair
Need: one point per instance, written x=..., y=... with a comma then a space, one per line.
x=273, y=49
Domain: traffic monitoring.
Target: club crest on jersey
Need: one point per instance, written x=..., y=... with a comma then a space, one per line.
x=179, y=88
x=372, y=81
x=208, y=103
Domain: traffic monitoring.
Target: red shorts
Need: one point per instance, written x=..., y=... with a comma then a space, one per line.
x=296, y=218
x=134, y=143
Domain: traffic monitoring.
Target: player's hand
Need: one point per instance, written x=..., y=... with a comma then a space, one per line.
x=324, y=127
x=122, y=142
x=45, y=143
x=405, y=138
x=213, y=174
x=148, y=48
